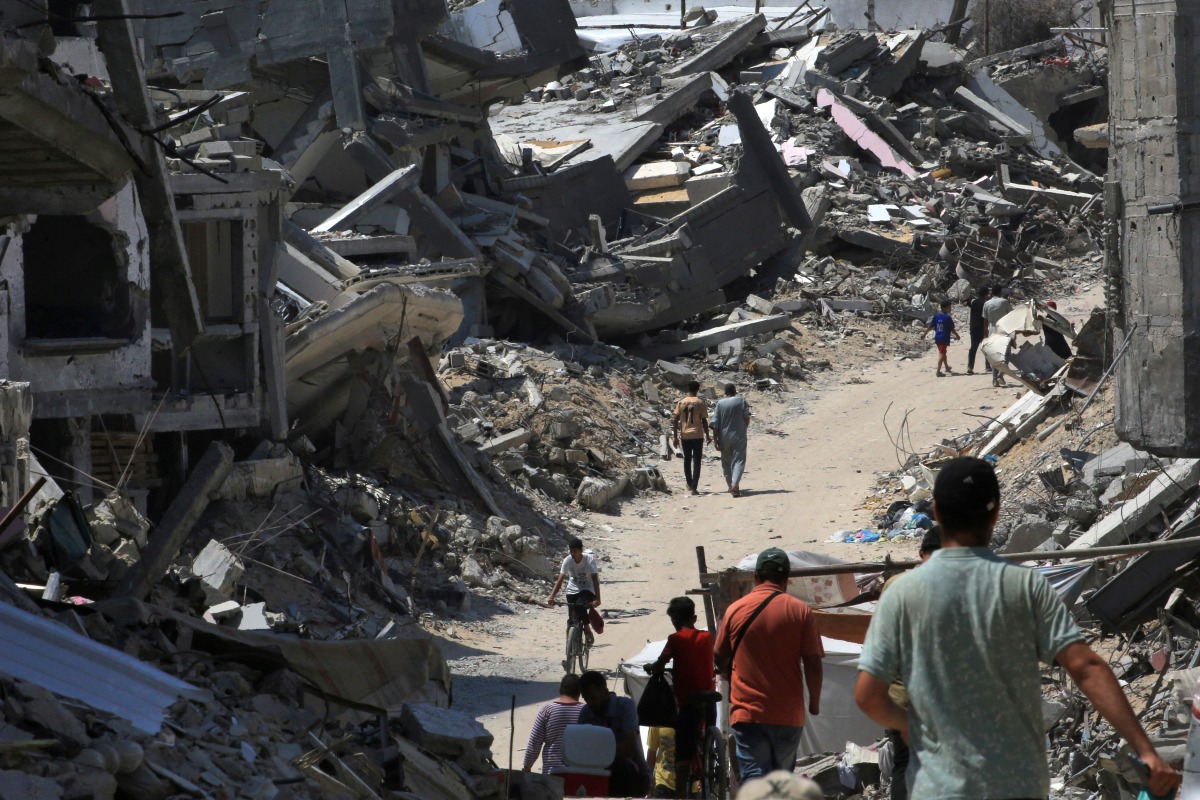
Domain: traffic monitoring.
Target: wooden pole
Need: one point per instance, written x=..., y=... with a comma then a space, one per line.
x=709, y=616
x=1090, y=554
x=13, y=512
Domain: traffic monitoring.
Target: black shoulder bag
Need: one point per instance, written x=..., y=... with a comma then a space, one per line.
x=733, y=650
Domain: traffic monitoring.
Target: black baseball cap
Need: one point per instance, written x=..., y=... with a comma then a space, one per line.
x=966, y=489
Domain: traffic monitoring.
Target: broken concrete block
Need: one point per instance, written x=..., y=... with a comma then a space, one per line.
x=506, y=441
x=761, y=305
x=656, y=175
x=473, y=574
x=554, y=485
x=676, y=374
x=448, y=733
x=217, y=568
x=226, y=610
x=595, y=493
x=254, y=618
x=1028, y=534
x=576, y=456
x=565, y=430
x=262, y=478
x=701, y=187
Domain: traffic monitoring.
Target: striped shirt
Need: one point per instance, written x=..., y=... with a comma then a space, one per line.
x=552, y=720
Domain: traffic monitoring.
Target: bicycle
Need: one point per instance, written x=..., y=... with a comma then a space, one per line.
x=710, y=765
x=579, y=645
x=709, y=775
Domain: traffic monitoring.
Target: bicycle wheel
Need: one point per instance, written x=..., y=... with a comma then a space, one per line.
x=715, y=777
x=574, y=649
x=585, y=652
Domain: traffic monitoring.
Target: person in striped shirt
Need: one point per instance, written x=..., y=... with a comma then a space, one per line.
x=552, y=719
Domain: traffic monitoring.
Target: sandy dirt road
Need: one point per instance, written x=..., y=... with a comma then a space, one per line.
x=798, y=489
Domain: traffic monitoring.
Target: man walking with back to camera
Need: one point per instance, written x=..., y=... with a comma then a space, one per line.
x=689, y=426
x=769, y=649
x=966, y=632
x=978, y=326
x=731, y=417
x=994, y=310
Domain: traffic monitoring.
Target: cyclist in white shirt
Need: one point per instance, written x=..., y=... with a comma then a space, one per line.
x=583, y=585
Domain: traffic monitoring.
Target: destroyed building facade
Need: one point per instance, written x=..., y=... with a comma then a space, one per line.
x=1149, y=253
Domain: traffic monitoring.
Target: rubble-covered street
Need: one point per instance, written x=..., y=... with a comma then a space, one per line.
x=328, y=325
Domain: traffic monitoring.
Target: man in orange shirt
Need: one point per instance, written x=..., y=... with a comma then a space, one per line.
x=769, y=648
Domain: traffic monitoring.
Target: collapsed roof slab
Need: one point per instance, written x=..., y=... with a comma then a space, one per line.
x=60, y=155
x=727, y=48
x=621, y=137
x=461, y=72
x=318, y=354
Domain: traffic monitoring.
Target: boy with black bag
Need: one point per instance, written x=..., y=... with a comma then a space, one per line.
x=691, y=650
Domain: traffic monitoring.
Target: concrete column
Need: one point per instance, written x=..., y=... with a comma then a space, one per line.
x=1154, y=124
x=80, y=457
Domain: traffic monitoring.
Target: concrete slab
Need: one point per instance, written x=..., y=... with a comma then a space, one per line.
x=715, y=336
x=1125, y=521
x=656, y=175
x=614, y=135
x=862, y=135
x=218, y=568
x=506, y=441
x=983, y=86
x=1111, y=462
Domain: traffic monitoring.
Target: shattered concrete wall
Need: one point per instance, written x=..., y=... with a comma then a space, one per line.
x=83, y=355
x=1155, y=111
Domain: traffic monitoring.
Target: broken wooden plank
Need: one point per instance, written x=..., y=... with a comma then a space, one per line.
x=177, y=522
x=392, y=184
x=715, y=336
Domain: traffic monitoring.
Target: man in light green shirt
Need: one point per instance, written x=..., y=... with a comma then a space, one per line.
x=967, y=633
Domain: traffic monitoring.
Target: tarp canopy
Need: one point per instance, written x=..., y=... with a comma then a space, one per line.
x=818, y=592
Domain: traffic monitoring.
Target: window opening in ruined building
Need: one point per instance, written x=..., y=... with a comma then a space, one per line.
x=215, y=254
x=75, y=285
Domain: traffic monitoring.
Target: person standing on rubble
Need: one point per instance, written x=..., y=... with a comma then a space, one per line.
x=770, y=650
x=995, y=310
x=978, y=327
x=689, y=425
x=966, y=632
x=731, y=418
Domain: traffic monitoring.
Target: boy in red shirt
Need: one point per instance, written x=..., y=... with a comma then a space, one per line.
x=692, y=652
